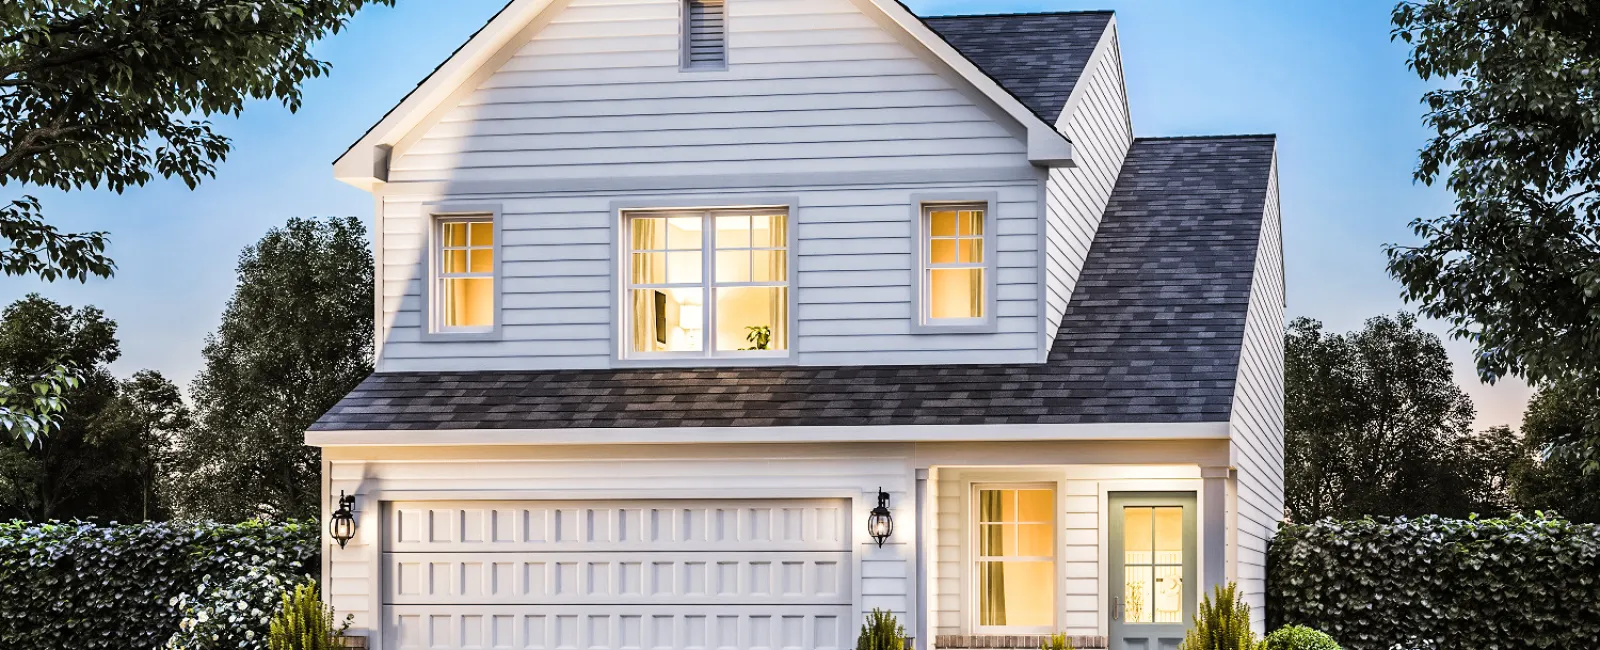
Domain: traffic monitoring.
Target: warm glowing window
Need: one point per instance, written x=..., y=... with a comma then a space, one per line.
x=1153, y=564
x=711, y=283
x=1016, y=568
x=956, y=284
x=465, y=292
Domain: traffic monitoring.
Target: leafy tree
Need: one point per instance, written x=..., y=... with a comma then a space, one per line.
x=1558, y=483
x=294, y=340
x=106, y=92
x=1516, y=267
x=1375, y=425
x=96, y=465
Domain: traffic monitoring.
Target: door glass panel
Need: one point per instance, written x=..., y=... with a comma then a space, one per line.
x=1153, y=556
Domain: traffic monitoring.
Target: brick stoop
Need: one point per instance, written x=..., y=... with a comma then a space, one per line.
x=1010, y=642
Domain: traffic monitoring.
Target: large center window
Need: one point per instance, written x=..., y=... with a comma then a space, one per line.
x=707, y=283
x=1016, y=558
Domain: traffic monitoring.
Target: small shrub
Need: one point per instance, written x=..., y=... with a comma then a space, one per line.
x=1299, y=637
x=1056, y=641
x=1223, y=624
x=881, y=632
x=303, y=622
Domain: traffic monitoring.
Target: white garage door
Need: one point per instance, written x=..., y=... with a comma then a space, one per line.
x=602, y=575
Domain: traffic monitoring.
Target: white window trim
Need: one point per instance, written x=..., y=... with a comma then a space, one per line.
x=437, y=214
x=921, y=323
x=621, y=316
x=683, y=41
x=974, y=601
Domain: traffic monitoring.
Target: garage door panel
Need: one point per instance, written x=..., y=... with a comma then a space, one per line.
x=618, y=627
x=767, y=525
x=615, y=578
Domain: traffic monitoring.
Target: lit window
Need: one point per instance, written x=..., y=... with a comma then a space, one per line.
x=1016, y=570
x=956, y=284
x=1153, y=564
x=465, y=291
x=709, y=283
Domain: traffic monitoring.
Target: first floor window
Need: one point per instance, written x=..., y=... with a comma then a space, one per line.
x=1016, y=568
x=956, y=280
x=465, y=280
x=708, y=283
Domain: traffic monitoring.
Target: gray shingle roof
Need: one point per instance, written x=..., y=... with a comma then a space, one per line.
x=1152, y=334
x=1036, y=57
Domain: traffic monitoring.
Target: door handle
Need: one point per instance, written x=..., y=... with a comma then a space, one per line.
x=1116, y=609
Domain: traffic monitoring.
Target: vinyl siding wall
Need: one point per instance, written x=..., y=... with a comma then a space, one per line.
x=1101, y=134
x=1257, y=424
x=813, y=89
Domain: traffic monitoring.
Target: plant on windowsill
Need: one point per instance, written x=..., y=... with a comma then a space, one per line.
x=1057, y=641
x=303, y=622
x=1223, y=623
x=760, y=337
x=882, y=632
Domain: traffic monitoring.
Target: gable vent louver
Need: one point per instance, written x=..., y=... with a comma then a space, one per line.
x=705, y=37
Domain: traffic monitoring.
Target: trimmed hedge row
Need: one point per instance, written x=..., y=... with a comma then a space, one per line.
x=1431, y=582
x=146, y=586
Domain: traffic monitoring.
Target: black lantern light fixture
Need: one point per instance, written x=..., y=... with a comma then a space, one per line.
x=880, y=524
x=342, y=526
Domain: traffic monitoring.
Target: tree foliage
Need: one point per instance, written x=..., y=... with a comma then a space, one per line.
x=102, y=461
x=1556, y=483
x=295, y=338
x=113, y=93
x=1516, y=267
x=1375, y=425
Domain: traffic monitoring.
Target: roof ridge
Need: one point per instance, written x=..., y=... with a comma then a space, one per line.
x=1015, y=14
x=1220, y=136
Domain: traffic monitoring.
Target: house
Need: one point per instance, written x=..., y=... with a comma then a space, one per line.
x=675, y=294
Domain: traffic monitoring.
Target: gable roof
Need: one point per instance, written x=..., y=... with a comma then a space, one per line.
x=1036, y=57
x=365, y=162
x=1152, y=334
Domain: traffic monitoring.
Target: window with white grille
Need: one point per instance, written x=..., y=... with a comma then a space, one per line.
x=705, y=34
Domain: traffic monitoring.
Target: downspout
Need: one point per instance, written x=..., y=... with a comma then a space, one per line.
x=922, y=629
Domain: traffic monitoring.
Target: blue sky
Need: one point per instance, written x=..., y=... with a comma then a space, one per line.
x=1324, y=76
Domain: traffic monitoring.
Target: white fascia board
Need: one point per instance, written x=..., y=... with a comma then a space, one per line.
x=723, y=435
x=1047, y=147
x=366, y=162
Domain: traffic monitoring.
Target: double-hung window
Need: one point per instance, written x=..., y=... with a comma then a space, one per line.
x=707, y=283
x=464, y=295
x=1015, y=559
x=957, y=276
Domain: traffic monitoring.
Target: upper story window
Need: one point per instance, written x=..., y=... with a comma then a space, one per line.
x=464, y=296
x=707, y=283
x=1015, y=572
x=957, y=275
x=705, y=34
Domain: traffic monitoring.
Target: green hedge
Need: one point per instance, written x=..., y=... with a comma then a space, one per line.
x=1430, y=582
x=146, y=586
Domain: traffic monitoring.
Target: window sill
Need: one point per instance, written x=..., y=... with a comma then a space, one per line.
x=987, y=327
x=462, y=337
x=703, y=362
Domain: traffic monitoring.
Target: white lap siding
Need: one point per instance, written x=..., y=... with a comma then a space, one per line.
x=853, y=280
x=1257, y=423
x=1099, y=127
x=819, y=103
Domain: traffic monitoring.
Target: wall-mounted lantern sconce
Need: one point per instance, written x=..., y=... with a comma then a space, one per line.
x=880, y=524
x=342, y=526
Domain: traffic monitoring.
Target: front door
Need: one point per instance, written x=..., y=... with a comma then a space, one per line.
x=1153, y=573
